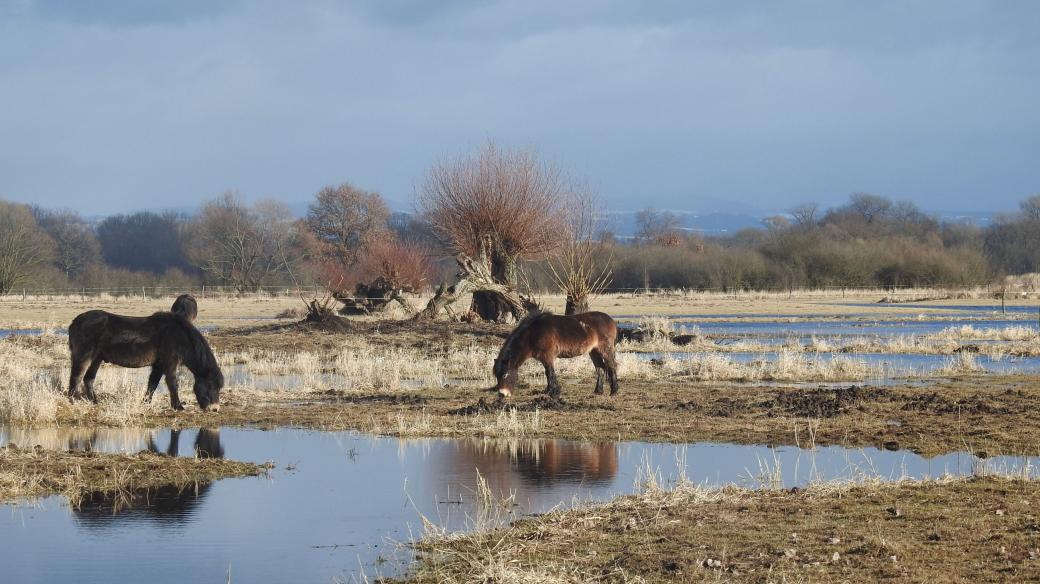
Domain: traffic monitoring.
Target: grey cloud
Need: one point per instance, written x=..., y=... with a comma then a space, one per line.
x=655, y=103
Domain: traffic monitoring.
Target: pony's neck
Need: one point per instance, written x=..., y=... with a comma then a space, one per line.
x=199, y=358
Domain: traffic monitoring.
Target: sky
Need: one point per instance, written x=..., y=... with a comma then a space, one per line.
x=120, y=105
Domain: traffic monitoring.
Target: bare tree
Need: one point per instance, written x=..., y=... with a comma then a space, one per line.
x=143, y=241
x=581, y=268
x=658, y=227
x=1031, y=208
x=344, y=220
x=241, y=246
x=23, y=245
x=495, y=209
x=804, y=215
x=869, y=207
x=76, y=246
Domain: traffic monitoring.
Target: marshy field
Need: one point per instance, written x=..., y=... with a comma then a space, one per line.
x=758, y=437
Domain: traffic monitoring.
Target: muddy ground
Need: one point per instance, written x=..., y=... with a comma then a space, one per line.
x=37, y=472
x=976, y=530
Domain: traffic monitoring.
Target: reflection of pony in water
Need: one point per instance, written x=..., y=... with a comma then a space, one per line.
x=553, y=461
x=163, y=341
x=545, y=336
x=207, y=443
x=165, y=504
x=186, y=306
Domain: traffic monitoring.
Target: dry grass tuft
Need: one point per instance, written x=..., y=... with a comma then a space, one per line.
x=37, y=472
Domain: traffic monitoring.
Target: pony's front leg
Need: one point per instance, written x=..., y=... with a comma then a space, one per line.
x=171, y=384
x=153, y=383
x=552, y=383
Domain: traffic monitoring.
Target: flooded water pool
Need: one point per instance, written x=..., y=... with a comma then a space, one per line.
x=337, y=503
x=891, y=364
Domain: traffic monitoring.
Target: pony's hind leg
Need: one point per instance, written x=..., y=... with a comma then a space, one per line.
x=88, y=379
x=76, y=376
x=153, y=382
x=597, y=360
x=610, y=364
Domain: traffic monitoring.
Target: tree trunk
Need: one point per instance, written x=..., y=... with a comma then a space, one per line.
x=492, y=300
x=369, y=298
x=576, y=305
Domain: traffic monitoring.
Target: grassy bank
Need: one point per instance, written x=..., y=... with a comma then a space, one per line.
x=975, y=530
x=989, y=415
x=37, y=472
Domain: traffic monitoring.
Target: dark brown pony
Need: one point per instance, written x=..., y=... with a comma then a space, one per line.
x=163, y=341
x=546, y=336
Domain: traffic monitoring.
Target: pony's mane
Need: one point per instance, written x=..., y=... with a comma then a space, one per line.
x=507, y=347
x=200, y=358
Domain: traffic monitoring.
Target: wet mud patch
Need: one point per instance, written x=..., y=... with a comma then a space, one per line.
x=393, y=399
x=722, y=407
x=542, y=402
x=936, y=404
x=823, y=402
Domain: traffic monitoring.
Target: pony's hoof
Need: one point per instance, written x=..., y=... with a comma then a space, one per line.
x=179, y=408
x=213, y=408
x=505, y=392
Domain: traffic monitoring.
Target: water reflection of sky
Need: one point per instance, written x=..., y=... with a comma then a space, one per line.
x=331, y=511
x=893, y=364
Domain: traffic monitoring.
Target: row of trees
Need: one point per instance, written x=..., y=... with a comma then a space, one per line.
x=869, y=241
x=509, y=221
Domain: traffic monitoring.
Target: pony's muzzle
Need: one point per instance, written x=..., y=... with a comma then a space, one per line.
x=504, y=392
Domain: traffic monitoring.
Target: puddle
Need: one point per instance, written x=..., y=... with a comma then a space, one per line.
x=337, y=501
x=979, y=308
x=893, y=364
x=30, y=332
x=852, y=328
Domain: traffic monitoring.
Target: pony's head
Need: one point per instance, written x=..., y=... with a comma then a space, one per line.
x=207, y=390
x=505, y=373
x=513, y=354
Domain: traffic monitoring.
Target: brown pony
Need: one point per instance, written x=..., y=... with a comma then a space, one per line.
x=546, y=336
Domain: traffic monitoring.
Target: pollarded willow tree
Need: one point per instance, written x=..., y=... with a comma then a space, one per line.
x=581, y=267
x=494, y=209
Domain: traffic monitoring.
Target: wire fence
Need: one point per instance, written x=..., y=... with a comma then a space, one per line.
x=892, y=293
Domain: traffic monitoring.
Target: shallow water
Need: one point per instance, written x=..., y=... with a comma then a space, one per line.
x=14, y=332
x=978, y=308
x=893, y=364
x=852, y=328
x=337, y=501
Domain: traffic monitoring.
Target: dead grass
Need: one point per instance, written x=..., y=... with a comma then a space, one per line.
x=974, y=530
x=38, y=472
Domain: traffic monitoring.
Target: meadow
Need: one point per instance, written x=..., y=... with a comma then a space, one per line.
x=804, y=370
